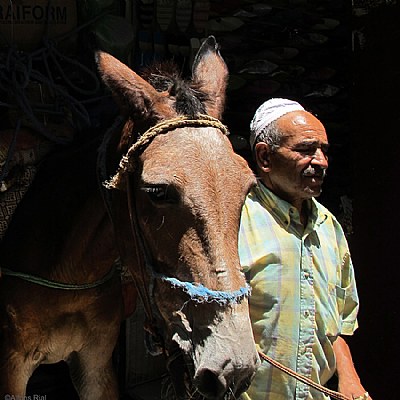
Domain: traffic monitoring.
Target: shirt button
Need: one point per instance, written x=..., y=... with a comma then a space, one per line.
x=306, y=313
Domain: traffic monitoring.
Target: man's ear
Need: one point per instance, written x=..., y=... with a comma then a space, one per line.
x=262, y=154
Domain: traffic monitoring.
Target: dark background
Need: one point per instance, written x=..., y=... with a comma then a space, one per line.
x=375, y=242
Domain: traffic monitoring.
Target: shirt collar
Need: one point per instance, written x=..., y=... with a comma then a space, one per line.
x=284, y=210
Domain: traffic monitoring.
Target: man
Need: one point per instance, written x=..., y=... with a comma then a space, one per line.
x=297, y=260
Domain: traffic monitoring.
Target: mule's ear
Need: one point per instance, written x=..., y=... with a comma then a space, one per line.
x=210, y=72
x=135, y=96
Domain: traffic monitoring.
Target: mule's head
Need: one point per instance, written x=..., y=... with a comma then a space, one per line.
x=182, y=190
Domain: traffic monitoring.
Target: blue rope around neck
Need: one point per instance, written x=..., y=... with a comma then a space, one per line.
x=201, y=294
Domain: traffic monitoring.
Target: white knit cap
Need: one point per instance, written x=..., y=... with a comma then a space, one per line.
x=269, y=112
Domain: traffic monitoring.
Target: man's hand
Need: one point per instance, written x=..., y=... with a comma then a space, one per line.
x=349, y=381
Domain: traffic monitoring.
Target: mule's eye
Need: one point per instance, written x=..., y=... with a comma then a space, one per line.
x=160, y=194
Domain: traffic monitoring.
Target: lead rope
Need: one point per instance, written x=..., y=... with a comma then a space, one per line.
x=38, y=280
x=303, y=379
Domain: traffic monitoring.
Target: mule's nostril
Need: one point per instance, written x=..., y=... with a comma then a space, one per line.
x=210, y=384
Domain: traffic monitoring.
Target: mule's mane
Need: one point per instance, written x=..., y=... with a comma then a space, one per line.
x=189, y=99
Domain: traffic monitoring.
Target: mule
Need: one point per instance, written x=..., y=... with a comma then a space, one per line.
x=169, y=212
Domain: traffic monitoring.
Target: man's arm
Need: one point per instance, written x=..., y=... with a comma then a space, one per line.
x=349, y=381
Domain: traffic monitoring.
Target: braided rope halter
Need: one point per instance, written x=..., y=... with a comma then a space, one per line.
x=126, y=164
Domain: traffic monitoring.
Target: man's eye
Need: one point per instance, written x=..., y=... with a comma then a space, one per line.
x=306, y=150
x=325, y=149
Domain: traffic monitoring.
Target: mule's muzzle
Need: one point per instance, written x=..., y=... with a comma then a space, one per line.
x=213, y=385
x=226, y=382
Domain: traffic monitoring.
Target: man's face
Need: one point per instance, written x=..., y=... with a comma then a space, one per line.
x=297, y=168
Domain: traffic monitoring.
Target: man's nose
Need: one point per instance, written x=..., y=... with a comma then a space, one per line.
x=320, y=158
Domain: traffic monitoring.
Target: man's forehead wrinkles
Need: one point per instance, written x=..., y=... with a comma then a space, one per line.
x=312, y=141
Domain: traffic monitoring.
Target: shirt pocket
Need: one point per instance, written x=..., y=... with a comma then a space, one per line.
x=333, y=309
x=340, y=298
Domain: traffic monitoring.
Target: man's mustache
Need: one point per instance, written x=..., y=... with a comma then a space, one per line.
x=312, y=171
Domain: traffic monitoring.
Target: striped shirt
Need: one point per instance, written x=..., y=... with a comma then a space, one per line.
x=303, y=292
